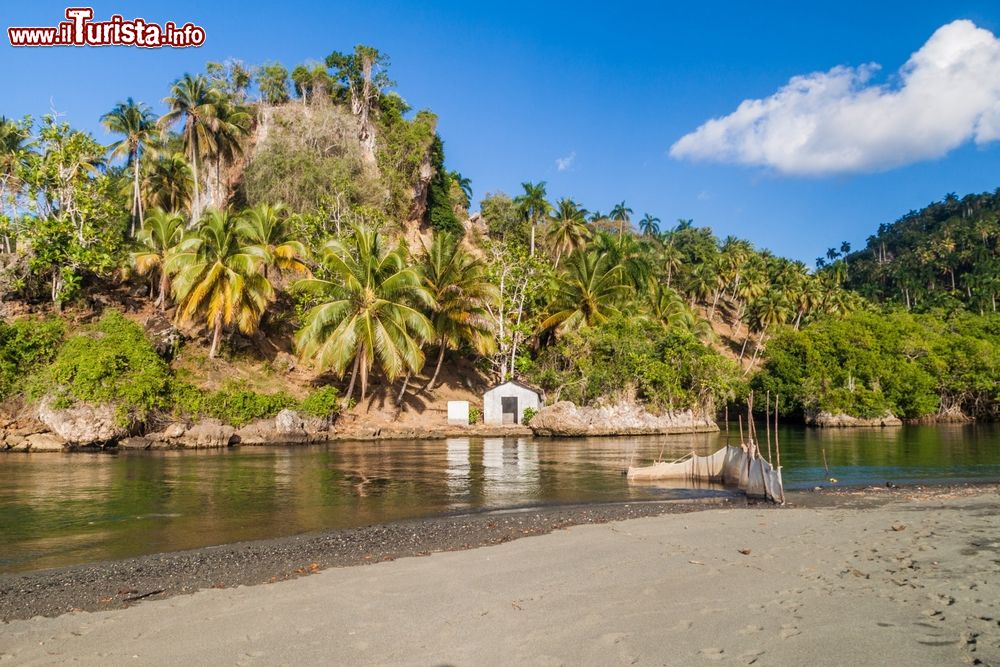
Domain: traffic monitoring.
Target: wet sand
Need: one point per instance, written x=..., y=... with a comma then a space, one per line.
x=900, y=577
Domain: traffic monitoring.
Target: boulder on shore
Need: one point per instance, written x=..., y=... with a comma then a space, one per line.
x=566, y=419
x=825, y=419
x=288, y=426
x=82, y=424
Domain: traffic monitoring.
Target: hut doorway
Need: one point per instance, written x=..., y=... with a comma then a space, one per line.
x=508, y=409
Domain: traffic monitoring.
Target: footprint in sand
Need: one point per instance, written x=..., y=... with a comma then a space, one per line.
x=712, y=653
x=751, y=629
x=789, y=631
x=752, y=656
x=681, y=625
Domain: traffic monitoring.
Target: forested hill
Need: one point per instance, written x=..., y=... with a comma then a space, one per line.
x=946, y=255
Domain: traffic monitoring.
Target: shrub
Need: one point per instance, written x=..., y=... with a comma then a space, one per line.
x=475, y=415
x=24, y=346
x=322, y=402
x=232, y=404
x=529, y=414
x=112, y=362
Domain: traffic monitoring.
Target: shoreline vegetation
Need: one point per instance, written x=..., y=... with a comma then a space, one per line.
x=284, y=256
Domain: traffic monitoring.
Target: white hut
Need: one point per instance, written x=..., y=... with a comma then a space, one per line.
x=505, y=403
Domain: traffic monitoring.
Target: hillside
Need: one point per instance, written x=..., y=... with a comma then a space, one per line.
x=946, y=255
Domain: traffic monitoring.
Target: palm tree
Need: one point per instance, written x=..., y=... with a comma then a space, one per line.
x=368, y=311
x=533, y=206
x=461, y=293
x=161, y=233
x=218, y=277
x=567, y=229
x=629, y=253
x=587, y=293
x=232, y=123
x=621, y=214
x=266, y=227
x=14, y=138
x=649, y=225
x=137, y=123
x=670, y=258
x=167, y=183
x=192, y=102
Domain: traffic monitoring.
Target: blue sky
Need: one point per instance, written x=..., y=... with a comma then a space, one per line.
x=613, y=86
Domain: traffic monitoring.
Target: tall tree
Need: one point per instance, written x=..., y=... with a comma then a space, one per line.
x=649, y=225
x=136, y=123
x=567, y=229
x=621, y=214
x=272, y=82
x=365, y=74
x=368, y=310
x=192, y=104
x=161, y=233
x=533, y=206
x=14, y=146
x=218, y=277
x=461, y=294
x=167, y=183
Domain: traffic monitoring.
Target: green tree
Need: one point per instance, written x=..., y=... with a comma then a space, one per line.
x=161, y=233
x=621, y=214
x=368, y=310
x=649, y=225
x=461, y=294
x=533, y=206
x=567, y=229
x=272, y=82
x=588, y=291
x=15, y=142
x=192, y=103
x=267, y=227
x=136, y=123
x=218, y=277
x=168, y=183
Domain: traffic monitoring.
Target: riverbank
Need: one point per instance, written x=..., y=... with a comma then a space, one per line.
x=856, y=578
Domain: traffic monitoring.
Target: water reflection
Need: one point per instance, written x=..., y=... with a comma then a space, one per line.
x=61, y=509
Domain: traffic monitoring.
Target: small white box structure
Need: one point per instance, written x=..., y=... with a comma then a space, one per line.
x=505, y=404
x=458, y=413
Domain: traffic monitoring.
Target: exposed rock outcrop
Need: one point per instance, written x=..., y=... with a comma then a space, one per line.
x=286, y=427
x=82, y=424
x=163, y=335
x=825, y=419
x=566, y=419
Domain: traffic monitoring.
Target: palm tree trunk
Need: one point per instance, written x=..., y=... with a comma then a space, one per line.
x=135, y=194
x=402, y=390
x=437, y=368
x=363, y=368
x=354, y=375
x=532, y=238
x=196, y=202
x=216, y=337
x=164, y=287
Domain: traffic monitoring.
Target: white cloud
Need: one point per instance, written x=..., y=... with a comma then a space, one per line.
x=839, y=121
x=564, y=163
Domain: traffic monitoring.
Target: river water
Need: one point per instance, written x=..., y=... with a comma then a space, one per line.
x=63, y=509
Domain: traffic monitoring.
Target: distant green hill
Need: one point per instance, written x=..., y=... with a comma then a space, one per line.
x=946, y=255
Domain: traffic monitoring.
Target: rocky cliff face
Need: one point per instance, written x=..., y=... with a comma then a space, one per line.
x=565, y=419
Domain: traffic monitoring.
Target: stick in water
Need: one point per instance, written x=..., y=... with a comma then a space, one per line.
x=825, y=466
x=767, y=423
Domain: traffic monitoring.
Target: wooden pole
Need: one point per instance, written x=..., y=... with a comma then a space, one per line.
x=767, y=423
x=777, y=449
x=740, y=417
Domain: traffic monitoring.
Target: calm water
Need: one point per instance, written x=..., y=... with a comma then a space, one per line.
x=60, y=509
